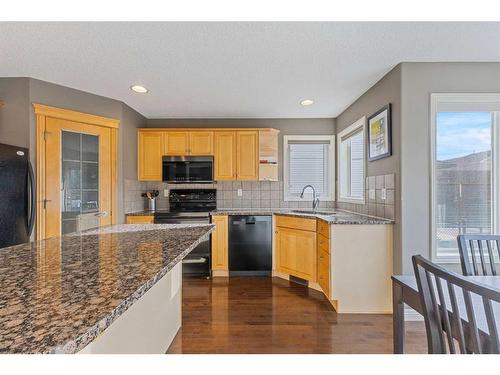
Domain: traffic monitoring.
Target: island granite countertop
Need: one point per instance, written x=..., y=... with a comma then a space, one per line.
x=59, y=294
x=330, y=216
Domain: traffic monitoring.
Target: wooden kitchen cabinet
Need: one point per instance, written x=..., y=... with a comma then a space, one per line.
x=201, y=143
x=268, y=155
x=296, y=252
x=140, y=219
x=220, y=245
x=247, y=155
x=324, y=271
x=177, y=143
x=150, y=151
x=225, y=156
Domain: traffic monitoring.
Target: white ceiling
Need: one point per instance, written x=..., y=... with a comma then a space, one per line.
x=234, y=70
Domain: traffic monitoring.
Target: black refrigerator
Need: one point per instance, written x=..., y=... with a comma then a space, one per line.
x=17, y=196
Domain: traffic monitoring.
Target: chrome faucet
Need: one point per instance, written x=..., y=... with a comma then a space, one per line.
x=315, y=200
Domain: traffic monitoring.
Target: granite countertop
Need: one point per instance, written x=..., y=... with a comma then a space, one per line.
x=330, y=216
x=59, y=294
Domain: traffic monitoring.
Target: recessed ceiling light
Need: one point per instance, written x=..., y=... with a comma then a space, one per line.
x=138, y=88
x=306, y=102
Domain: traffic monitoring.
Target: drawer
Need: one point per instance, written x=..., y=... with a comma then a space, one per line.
x=143, y=219
x=296, y=223
x=323, y=244
x=324, y=228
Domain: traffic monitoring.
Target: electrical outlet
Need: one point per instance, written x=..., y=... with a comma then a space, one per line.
x=371, y=194
x=165, y=193
x=383, y=194
x=240, y=192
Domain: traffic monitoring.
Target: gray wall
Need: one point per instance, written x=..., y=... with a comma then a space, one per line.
x=311, y=126
x=387, y=90
x=419, y=81
x=14, y=114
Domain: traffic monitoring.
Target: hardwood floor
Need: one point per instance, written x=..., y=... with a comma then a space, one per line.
x=271, y=315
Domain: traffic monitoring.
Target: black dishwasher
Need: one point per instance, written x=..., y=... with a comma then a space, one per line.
x=250, y=245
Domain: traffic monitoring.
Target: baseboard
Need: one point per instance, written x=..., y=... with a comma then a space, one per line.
x=412, y=316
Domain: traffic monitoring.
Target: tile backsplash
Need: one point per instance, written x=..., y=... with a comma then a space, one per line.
x=375, y=205
x=255, y=194
x=266, y=194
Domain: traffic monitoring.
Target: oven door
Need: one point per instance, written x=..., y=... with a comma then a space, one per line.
x=197, y=262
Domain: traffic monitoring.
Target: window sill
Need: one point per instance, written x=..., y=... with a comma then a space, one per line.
x=298, y=199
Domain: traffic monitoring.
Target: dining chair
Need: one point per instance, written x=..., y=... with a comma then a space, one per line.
x=477, y=254
x=452, y=307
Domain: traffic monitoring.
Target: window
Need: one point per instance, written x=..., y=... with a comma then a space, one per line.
x=351, y=149
x=465, y=151
x=309, y=160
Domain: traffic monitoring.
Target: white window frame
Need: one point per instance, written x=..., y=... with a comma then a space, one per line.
x=353, y=128
x=441, y=102
x=331, y=164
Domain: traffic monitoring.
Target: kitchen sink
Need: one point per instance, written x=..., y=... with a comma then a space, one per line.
x=313, y=212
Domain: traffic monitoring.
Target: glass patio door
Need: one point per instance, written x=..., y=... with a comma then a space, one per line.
x=465, y=173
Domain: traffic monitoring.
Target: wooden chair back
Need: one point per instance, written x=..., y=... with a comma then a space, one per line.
x=477, y=254
x=443, y=295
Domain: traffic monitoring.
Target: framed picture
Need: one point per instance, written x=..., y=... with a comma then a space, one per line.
x=379, y=134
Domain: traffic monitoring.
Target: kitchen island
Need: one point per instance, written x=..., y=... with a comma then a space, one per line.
x=115, y=289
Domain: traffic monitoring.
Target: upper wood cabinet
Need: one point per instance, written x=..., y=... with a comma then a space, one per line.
x=201, y=143
x=225, y=156
x=247, y=155
x=177, y=143
x=268, y=155
x=150, y=151
x=239, y=154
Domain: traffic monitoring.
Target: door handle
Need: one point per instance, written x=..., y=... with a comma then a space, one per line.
x=32, y=187
x=45, y=202
x=101, y=214
x=194, y=261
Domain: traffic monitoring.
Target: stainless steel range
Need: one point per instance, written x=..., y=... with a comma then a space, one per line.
x=191, y=206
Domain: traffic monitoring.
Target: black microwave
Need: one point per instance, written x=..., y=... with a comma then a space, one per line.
x=182, y=169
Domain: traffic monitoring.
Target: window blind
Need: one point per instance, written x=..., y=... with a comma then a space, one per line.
x=351, y=163
x=308, y=165
x=357, y=165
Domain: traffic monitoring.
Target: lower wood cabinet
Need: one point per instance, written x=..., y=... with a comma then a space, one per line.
x=324, y=265
x=220, y=243
x=296, y=252
x=142, y=219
